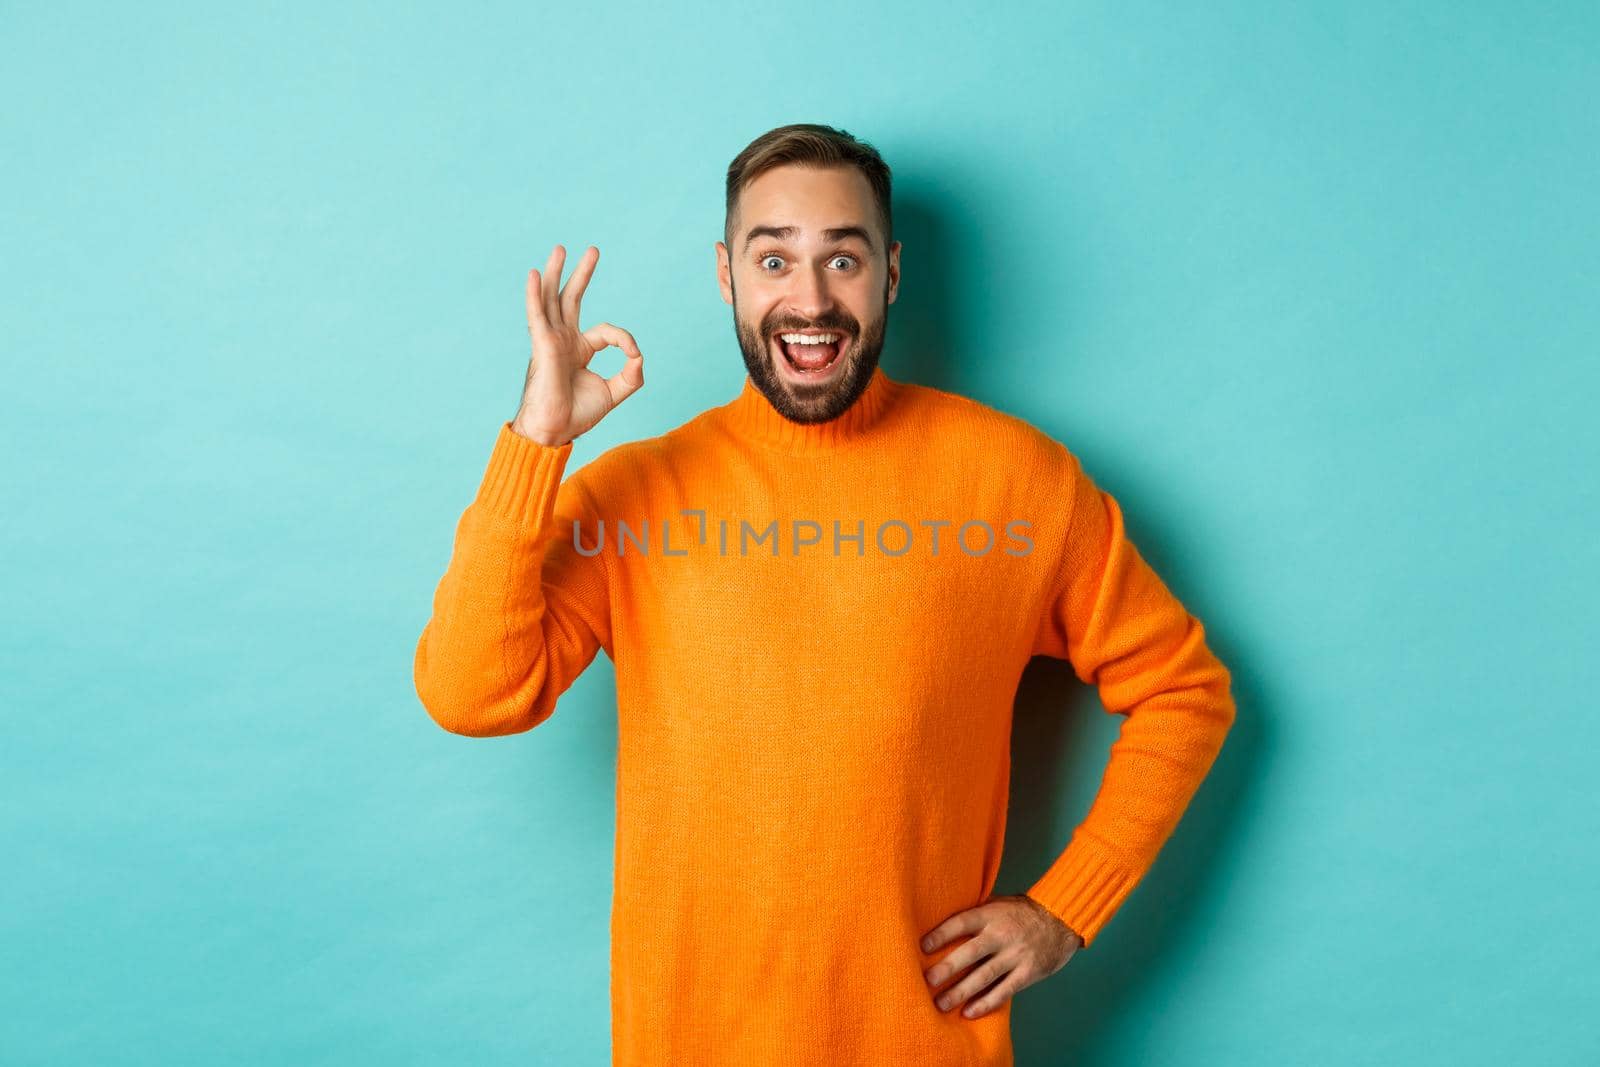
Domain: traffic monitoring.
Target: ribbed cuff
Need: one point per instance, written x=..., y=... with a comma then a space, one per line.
x=521, y=480
x=1085, y=886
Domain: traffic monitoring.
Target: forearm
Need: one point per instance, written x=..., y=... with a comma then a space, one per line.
x=509, y=630
x=1165, y=749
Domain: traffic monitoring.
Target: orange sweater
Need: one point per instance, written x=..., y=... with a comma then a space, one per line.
x=814, y=699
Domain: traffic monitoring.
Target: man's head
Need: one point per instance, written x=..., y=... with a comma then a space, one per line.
x=808, y=248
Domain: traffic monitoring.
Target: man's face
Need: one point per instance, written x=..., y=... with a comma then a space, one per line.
x=787, y=274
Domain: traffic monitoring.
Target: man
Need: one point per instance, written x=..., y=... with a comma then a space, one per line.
x=819, y=598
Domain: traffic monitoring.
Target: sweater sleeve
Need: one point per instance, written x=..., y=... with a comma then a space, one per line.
x=519, y=612
x=1124, y=632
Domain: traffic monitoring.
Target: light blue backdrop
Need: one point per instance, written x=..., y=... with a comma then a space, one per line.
x=1313, y=293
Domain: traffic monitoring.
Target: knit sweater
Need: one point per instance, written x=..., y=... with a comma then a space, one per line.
x=817, y=647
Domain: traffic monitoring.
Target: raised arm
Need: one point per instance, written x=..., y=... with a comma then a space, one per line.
x=521, y=609
x=1124, y=632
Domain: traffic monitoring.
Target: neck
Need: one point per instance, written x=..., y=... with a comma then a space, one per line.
x=752, y=417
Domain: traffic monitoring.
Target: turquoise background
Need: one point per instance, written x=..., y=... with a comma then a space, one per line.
x=1312, y=292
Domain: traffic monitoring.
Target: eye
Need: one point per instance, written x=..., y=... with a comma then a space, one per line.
x=850, y=261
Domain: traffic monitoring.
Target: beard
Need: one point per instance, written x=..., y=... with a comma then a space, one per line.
x=823, y=402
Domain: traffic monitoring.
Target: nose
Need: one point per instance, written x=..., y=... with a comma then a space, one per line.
x=809, y=297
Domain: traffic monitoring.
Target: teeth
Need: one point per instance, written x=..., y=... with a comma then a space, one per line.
x=808, y=339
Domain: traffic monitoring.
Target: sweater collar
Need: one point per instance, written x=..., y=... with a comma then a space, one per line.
x=752, y=417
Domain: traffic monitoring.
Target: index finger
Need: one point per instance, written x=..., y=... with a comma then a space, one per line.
x=969, y=921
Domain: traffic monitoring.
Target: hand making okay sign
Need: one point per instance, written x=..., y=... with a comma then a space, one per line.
x=562, y=397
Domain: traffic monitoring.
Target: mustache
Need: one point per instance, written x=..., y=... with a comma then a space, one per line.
x=825, y=324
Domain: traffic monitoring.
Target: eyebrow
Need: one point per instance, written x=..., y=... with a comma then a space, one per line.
x=784, y=233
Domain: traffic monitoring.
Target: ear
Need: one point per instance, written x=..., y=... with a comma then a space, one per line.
x=724, y=277
x=894, y=271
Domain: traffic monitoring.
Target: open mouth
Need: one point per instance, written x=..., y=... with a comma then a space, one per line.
x=811, y=352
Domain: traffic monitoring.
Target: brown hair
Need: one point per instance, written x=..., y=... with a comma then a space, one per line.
x=811, y=145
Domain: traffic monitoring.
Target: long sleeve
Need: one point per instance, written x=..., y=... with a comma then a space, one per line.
x=519, y=612
x=1124, y=632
